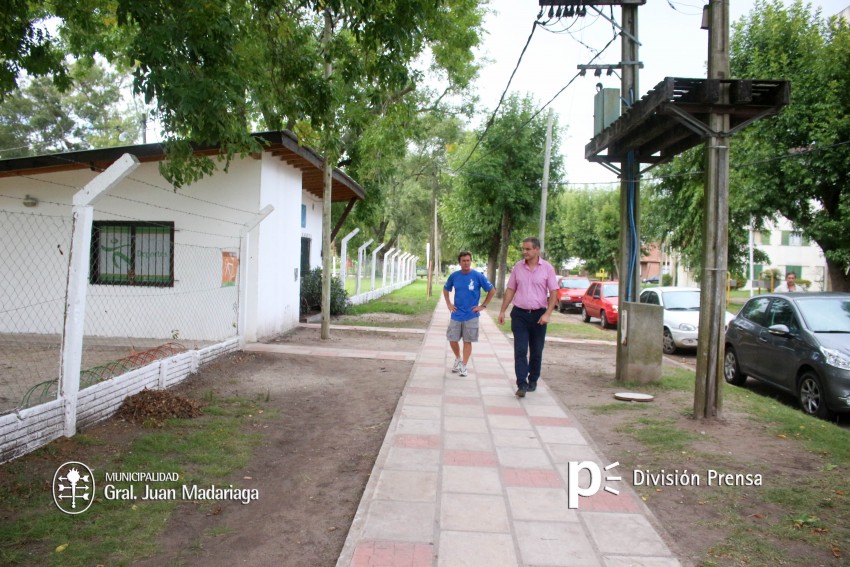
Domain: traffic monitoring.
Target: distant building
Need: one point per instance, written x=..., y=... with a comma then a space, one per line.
x=788, y=251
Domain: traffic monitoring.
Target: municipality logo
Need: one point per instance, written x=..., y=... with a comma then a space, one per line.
x=73, y=487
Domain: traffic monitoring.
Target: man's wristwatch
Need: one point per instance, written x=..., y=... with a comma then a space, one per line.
x=484, y=305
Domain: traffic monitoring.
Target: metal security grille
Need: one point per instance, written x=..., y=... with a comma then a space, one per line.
x=133, y=253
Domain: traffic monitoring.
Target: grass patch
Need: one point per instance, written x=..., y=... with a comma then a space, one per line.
x=658, y=434
x=203, y=451
x=409, y=300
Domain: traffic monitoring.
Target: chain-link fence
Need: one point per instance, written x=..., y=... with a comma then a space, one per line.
x=34, y=253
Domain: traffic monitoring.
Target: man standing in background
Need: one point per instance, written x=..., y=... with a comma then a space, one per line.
x=467, y=284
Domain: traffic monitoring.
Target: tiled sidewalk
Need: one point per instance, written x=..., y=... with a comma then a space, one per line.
x=470, y=475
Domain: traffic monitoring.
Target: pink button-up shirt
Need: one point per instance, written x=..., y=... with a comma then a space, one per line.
x=532, y=287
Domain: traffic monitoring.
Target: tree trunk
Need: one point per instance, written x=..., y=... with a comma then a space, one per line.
x=838, y=279
x=493, y=262
x=504, y=242
x=327, y=252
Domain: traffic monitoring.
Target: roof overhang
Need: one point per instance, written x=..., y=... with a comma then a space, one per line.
x=282, y=144
x=673, y=117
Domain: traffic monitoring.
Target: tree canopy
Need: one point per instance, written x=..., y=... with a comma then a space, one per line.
x=798, y=163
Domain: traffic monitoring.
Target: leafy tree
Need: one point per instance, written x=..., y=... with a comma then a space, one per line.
x=40, y=118
x=26, y=46
x=589, y=227
x=798, y=163
x=497, y=194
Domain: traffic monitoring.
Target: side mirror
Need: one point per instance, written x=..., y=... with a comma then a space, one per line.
x=779, y=330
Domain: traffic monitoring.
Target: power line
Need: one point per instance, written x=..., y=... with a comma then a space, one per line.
x=504, y=92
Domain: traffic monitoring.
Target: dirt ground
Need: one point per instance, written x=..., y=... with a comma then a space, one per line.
x=331, y=417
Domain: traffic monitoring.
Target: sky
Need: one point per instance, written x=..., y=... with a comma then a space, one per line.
x=672, y=45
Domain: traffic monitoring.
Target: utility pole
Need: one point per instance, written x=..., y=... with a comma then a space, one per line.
x=709, y=374
x=629, y=276
x=545, y=189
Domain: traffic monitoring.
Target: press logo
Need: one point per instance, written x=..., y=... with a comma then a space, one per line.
x=594, y=481
x=73, y=487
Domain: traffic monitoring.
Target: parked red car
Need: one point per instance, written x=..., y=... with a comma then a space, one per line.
x=570, y=290
x=601, y=301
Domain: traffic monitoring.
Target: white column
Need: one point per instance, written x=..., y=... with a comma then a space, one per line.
x=244, y=263
x=374, y=262
x=361, y=253
x=387, y=256
x=342, y=255
x=78, y=279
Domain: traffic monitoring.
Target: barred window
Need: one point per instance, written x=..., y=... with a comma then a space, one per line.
x=132, y=253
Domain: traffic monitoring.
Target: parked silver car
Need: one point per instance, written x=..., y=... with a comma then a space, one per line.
x=799, y=342
x=681, y=315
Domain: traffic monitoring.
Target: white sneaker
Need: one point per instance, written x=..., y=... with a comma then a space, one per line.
x=462, y=369
x=457, y=366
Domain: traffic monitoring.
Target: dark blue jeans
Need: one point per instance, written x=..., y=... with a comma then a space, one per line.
x=528, y=345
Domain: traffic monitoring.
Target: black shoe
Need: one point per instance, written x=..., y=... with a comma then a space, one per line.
x=520, y=393
x=532, y=386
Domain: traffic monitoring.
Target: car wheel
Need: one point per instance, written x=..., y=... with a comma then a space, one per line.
x=603, y=320
x=667, y=344
x=731, y=371
x=562, y=309
x=811, y=395
x=584, y=315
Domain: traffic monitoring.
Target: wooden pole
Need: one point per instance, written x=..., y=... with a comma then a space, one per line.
x=709, y=373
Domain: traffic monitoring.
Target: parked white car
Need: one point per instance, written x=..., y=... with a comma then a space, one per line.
x=681, y=315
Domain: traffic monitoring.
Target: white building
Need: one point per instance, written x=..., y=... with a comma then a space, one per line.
x=788, y=251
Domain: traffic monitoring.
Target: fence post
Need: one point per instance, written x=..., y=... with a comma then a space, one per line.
x=244, y=261
x=374, y=260
x=360, y=256
x=343, y=253
x=384, y=268
x=77, y=288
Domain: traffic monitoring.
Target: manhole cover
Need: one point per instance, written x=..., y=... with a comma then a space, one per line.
x=633, y=397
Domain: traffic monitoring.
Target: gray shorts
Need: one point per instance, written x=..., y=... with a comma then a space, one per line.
x=467, y=329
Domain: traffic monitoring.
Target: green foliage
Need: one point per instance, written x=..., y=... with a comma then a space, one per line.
x=588, y=222
x=39, y=118
x=798, y=163
x=311, y=293
x=667, y=279
x=497, y=191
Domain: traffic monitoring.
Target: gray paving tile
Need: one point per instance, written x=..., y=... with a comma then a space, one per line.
x=423, y=400
x=465, y=549
x=400, y=521
x=516, y=438
x=463, y=410
x=410, y=486
x=540, y=504
x=421, y=412
x=562, y=453
x=474, y=513
x=522, y=458
x=555, y=544
x=471, y=480
x=508, y=421
x=410, y=426
x=412, y=459
x=465, y=424
x=566, y=435
x=460, y=441
x=624, y=534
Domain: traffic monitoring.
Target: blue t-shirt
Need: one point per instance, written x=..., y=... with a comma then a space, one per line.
x=467, y=292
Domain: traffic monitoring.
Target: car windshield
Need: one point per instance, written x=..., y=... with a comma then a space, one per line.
x=685, y=300
x=575, y=283
x=826, y=314
x=610, y=290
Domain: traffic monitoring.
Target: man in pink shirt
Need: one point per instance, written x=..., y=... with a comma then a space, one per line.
x=533, y=289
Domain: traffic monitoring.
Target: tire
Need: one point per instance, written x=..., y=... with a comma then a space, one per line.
x=603, y=320
x=731, y=370
x=667, y=344
x=562, y=309
x=810, y=394
x=585, y=317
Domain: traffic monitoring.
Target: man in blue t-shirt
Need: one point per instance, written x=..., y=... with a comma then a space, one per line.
x=467, y=284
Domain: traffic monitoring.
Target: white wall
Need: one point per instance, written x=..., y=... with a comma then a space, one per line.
x=279, y=250
x=208, y=217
